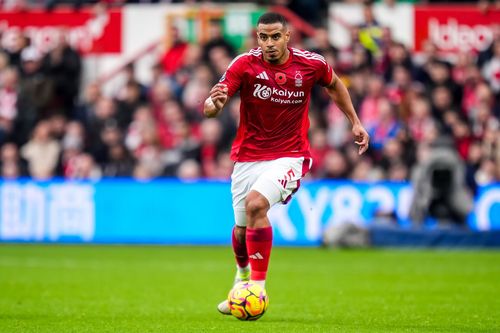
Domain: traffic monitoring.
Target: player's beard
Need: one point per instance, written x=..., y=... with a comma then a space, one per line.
x=274, y=58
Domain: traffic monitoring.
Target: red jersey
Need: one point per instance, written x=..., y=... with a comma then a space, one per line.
x=274, y=107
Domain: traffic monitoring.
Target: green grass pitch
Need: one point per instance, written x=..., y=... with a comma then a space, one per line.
x=49, y=288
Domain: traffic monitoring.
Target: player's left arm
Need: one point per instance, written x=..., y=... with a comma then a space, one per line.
x=338, y=92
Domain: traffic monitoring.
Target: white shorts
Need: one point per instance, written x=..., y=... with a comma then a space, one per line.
x=276, y=180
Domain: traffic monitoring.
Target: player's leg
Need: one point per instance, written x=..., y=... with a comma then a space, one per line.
x=242, y=266
x=259, y=233
x=277, y=183
x=238, y=240
x=241, y=179
x=256, y=239
x=240, y=183
x=256, y=187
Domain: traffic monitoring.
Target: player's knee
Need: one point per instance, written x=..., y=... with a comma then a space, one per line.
x=256, y=205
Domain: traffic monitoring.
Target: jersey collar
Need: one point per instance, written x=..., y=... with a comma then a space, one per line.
x=283, y=65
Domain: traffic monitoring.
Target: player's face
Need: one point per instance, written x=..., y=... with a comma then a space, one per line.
x=273, y=39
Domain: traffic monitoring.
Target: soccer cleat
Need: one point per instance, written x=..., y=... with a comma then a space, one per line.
x=223, y=307
x=244, y=276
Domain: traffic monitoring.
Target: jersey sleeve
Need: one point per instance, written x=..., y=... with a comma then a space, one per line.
x=325, y=73
x=233, y=76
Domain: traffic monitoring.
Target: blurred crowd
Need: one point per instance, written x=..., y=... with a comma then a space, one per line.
x=51, y=126
x=303, y=7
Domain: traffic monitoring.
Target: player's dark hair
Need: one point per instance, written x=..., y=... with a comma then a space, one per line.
x=270, y=18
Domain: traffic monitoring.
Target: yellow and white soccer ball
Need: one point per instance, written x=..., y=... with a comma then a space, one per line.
x=248, y=301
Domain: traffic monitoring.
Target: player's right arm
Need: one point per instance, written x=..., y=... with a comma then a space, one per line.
x=216, y=101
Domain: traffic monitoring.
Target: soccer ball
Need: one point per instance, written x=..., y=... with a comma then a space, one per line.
x=248, y=301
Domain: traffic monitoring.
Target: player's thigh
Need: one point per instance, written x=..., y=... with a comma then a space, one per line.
x=281, y=178
x=243, y=177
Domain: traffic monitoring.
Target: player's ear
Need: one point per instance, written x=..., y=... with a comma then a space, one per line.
x=287, y=35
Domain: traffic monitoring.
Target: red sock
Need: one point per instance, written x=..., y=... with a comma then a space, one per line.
x=259, y=244
x=240, y=251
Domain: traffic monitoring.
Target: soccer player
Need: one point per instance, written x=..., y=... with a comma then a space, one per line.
x=271, y=148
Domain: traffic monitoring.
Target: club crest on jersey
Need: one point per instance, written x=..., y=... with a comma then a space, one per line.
x=280, y=78
x=298, y=79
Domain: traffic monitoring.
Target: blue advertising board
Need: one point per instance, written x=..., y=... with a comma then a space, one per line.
x=175, y=212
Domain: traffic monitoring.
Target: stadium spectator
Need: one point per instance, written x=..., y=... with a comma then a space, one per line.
x=41, y=152
x=102, y=116
x=85, y=168
x=319, y=148
x=72, y=145
x=63, y=65
x=143, y=141
x=365, y=170
x=225, y=166
x=462, y=135
x=172, y=59
x=15, y=43
x=486, y=54
x=170, y=125
x=189, y=170
x=129, y=76
x=386, y=126
x=369, y=109
x=491, y=68
x=119, y=163
x=198, y=85
x=473, y=162
x=12, y=166
x=439, y=73
x=36, y=93
x=420, y=118
x=392, y=155
x=84, y=110
x=128, y=103
x=398, y=172
x=371, y=33
x=397, y=55
x=186, y=147
x=210, y=146
x=8, y=102
x=142, y=172
x=335, y=166
x=215, y=39
x=323, y=46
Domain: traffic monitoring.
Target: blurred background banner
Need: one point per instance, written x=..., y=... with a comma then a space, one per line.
x=454, y=28
x=176, y=212
x=87, y=31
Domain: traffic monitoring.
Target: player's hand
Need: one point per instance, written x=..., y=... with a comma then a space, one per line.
x=218, y=94
x=361, y=138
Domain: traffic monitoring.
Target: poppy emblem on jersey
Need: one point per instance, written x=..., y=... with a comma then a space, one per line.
x=298, y=79
x=280, y=78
